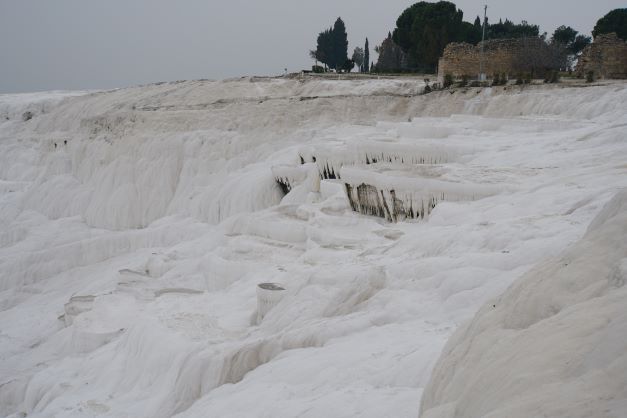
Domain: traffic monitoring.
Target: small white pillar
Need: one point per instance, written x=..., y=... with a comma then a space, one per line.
x=268, y=296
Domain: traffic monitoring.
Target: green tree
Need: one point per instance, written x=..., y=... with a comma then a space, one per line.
x=615, y=21
x=473, y=35
x=477, y=24
x=366, y=68
x=340, y=45
x=508, y=29
x=391, y=56
x=470, y=33
x=539, y=58
x=424, y=29
x=570, y=39
x=581, y=41
x=564, y=35
x=348, y=65
x=323, y=52
x=358, y=57
x=332, y=46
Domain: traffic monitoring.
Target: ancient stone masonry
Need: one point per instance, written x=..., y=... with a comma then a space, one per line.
x=606, y=57
x=501, y=56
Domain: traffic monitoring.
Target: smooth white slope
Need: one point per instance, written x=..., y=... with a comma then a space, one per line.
x=163, y=208
x=554, y=344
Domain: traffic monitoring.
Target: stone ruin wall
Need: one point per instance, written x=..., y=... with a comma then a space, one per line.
x=500, y=56
x=606, y=57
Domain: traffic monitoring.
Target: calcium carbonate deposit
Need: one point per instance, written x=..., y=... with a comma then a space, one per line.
x=456, y=254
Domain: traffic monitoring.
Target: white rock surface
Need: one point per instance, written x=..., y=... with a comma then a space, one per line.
x=160, y=202
x=554, y=344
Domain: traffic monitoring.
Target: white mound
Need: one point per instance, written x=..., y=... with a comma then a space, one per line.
x=136, y=225
x=554, y=344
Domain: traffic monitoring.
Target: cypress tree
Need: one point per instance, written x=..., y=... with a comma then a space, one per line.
x=366, y=68
x=340, y=45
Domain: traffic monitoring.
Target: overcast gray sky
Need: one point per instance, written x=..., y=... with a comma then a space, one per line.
x=89, y=44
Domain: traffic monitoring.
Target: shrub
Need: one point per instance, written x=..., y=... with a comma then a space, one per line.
x=464, y=81
x=496, y=80
x=589, y=76
x=427, y=89
x=528, y=78
x=519, y=80
x=26, y=116
x=448, y=81
x=552, y=77
x=503, y=79
x=317, y=69
x=475, y=83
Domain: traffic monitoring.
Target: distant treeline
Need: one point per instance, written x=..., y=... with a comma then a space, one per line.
x=424, y=29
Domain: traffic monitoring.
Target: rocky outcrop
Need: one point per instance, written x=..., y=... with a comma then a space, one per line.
x=606, y=57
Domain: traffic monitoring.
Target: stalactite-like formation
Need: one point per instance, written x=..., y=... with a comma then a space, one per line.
x=284, y=184
x=391, y=180
x=368, y=200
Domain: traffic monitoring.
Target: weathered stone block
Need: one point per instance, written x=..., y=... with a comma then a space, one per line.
x=606, y=57
x=501, y=56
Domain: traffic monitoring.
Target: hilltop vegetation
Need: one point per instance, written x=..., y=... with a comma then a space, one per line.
x=424, y=29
